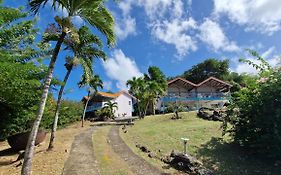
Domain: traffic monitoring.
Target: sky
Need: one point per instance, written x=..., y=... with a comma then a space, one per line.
x=174, y=35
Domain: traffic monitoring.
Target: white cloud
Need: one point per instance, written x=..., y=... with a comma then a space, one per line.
x=121, y=68
x=259, y=15
x=107, y=85
x=273, y=60
x=212, y=34
x=174, y=32
x=125, y=27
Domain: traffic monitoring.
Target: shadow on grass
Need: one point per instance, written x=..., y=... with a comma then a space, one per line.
x=230, y=159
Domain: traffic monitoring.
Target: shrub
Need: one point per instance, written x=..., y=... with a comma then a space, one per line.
x=255, y=115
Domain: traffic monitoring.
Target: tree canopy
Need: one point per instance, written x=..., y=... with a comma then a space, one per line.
x=209, y=67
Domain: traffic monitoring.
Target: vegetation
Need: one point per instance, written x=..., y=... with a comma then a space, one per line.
x=93, y=12
x=94, y=83
x=159, y=132
x=21, y=74
x=255, y=113
x=209, y=67
x=84, y=49
x=148, y=89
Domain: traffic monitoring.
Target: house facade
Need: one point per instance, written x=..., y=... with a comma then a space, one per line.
x=123, y=99
x=211, y=92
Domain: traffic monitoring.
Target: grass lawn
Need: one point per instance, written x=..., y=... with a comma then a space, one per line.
x=109, y=162
x=206, y=143
x=44, y=163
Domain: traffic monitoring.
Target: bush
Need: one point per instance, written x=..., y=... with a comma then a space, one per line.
x=255, y=115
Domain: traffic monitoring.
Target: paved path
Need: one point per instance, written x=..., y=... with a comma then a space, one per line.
x=137, y=164
x=81, y=160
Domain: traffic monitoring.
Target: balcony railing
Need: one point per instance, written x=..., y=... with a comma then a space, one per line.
x=195, y=97
x=94, y=107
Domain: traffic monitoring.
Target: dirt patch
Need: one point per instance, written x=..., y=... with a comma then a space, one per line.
x=137, y=164
x=81, y=160
x=44, y=163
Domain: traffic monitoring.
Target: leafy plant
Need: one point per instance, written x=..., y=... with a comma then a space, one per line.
x=255, y=114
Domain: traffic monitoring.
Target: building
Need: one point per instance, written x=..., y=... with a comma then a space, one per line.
x=123, y=99
x=211, y=92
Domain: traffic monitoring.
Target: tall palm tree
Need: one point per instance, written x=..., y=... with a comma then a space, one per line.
x=111, y=106
x=84, y=50
x=93, y=12
x=94, y=83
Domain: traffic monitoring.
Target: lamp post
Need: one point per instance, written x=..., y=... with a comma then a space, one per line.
x=185, y=144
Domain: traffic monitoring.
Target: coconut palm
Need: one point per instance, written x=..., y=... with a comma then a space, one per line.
x=110, y=106
x=84, y=50
x=95, y=14
x=94, y=83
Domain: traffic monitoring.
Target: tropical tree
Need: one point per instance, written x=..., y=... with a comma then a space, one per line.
x=21, y=72
x=93, y=85
x=137, y=88
x=110, y=106
x=93, y=12
x=210, y=67
x=84, y=50
x=157, y=85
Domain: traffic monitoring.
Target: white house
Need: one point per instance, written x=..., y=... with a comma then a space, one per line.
x=123, y=99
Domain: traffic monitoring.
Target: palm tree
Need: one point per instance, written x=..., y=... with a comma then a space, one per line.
x=111, y=106
x=93, y=84
x=84, y=51
x=137, y=87
x=93, y=12
x=157, y=84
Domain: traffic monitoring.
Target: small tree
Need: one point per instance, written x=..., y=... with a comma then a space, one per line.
x=93, y=85
x=110, y=106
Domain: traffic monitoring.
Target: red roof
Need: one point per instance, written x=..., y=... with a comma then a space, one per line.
x=199, y=84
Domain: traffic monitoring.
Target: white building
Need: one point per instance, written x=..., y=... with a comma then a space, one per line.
x=211, y=92
x=123, y=99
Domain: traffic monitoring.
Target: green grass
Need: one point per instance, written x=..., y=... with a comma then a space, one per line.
x=108, y=161
x=206, y=143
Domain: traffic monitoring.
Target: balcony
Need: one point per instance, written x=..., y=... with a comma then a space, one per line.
x=94, y=107
x=171, y=97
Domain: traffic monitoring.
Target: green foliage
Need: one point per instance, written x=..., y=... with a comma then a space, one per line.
x=71, y=111
x=210, y=67
x=255, y=114
x=110, y=107
x=148, y=89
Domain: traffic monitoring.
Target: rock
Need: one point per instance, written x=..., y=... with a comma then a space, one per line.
x=186, y=163
x=166, y=159
x=204, y=171
x=144, y=149
x=152, y=155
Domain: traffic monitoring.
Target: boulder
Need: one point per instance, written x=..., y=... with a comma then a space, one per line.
x=19, y=141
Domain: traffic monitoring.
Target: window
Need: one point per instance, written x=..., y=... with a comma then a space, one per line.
x=129, y=102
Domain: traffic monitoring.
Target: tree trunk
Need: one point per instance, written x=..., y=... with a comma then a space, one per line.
x=56, y=118
x=153, y=106
x=85, y=108
x=29, y=151
x=145, y=110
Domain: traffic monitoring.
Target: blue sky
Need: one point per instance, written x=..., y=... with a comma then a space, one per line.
x=177, y=34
